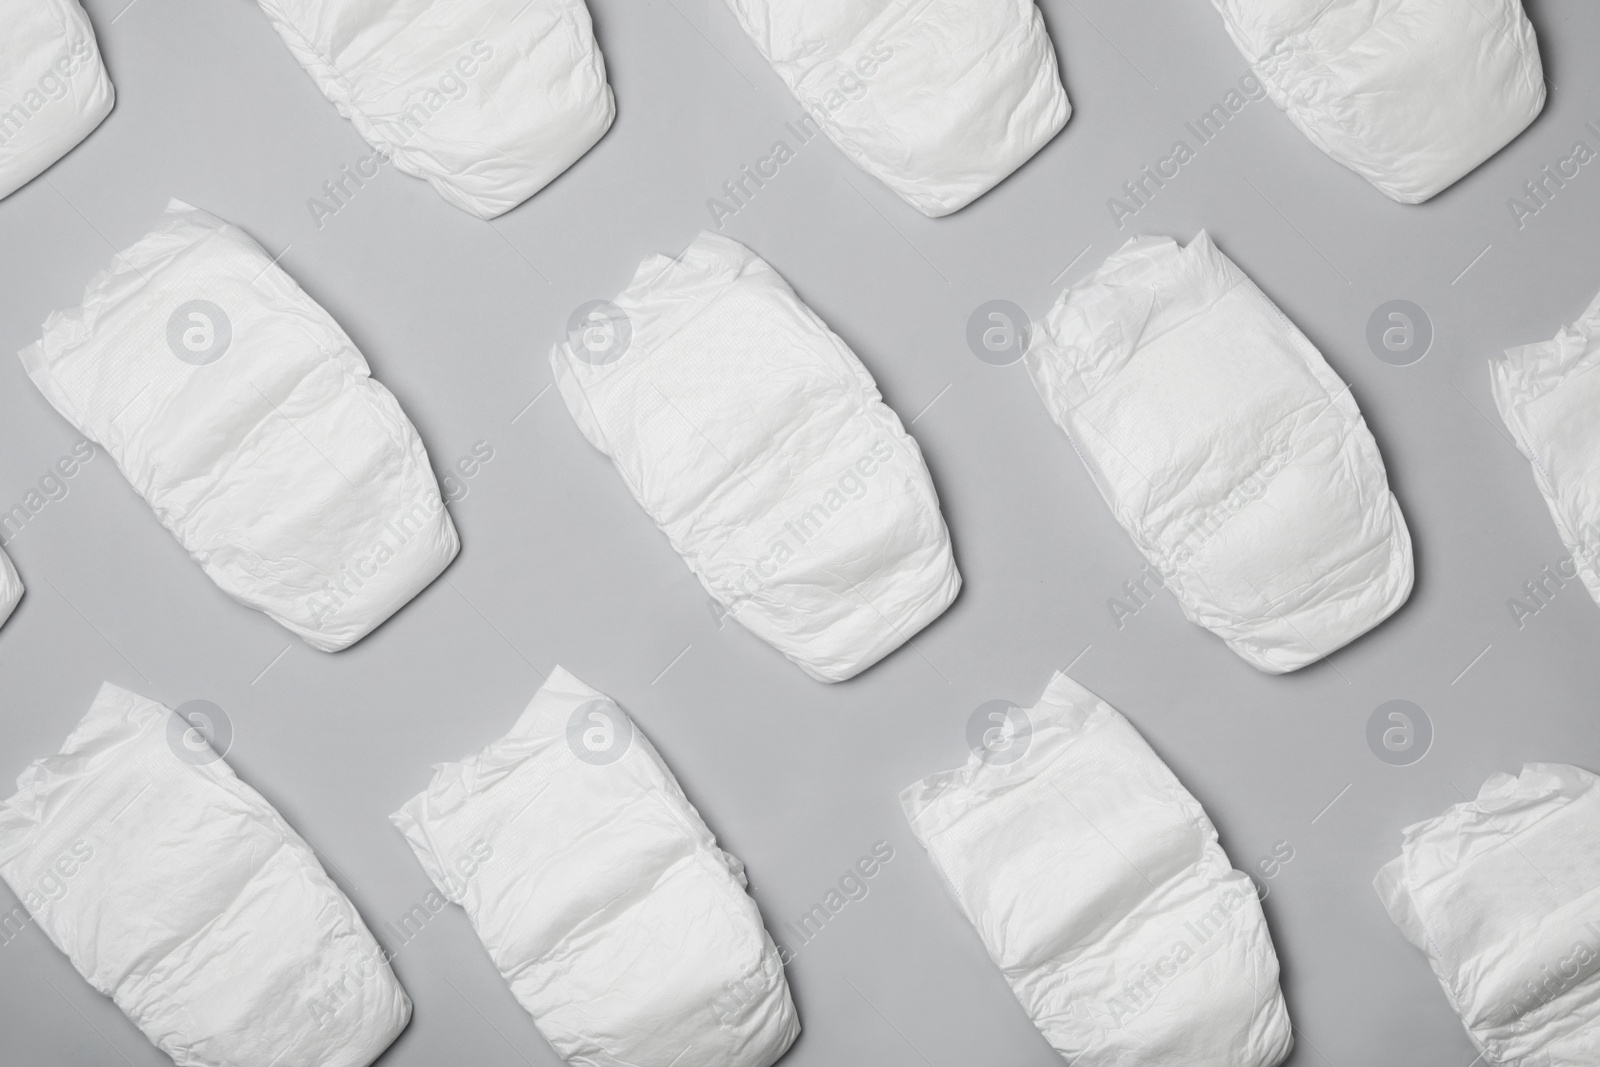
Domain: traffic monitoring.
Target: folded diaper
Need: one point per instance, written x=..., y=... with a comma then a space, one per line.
x=1548, y=395
x=1410, y=94
x=759, y=444
x=1503, y=894
x=600, y=894
x=1097, y=885
x=1228, y=449
x=53, y=87
x=488, y=101
x=10, y=588
x=181, y=894
x=240, y=410
x=938, y=99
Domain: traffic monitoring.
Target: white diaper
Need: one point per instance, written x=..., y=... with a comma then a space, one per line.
x=600, y=894
x=240, y=410
x=1503, y=894
x=1097, y=885
x=53, y=87
x=757, y=441
x=938, y=99
x=181, y=894
x=1228, y=449
x=10, y=588
x=1548, y=395
x=1410, y=94
x=487, y=100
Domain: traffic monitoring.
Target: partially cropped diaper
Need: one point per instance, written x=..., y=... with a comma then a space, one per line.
x=1097, y=885
x=938, y=99
x=757, y=441
x=600, y=894
x=239, y=409
x=181, y=894
x=1503, y=894
x=53, y=87
x=1548, y=395
x=1228, y=449
x=10, y=588
x=487, y=100
x=1410, y=94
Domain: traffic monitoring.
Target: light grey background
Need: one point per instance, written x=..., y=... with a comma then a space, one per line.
x=559, y=565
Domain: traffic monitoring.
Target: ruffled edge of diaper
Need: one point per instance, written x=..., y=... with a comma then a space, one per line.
x=1148, y=287
x=182, y=227
x=538, y=734
x=1064, y=713
x=116, y=717
x=1527, y=372
x=1501, y=794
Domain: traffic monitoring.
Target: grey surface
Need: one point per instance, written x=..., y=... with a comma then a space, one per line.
x=560, y=566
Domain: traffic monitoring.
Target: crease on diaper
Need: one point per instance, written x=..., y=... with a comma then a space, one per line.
x=834, y=602
x=1292, y=607
x=425, y=158
x=1363, y=81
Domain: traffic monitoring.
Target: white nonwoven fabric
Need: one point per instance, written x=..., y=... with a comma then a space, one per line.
x=241, y=412
x=1410, y=94
x=1503, y=895
x=938, y=99
x=1228, y=449
x=180, y=893
x=10, y=588
x=1097, y=885
x=760, y=445
x=487, y=101
x=1548, y=394
x=600, y=894
x=53, y=86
